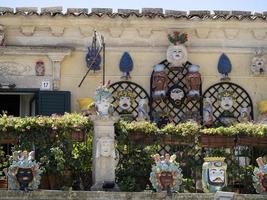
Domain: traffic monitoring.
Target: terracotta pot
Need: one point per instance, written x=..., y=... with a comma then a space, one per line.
x=53, y=180
x=217, y=141
x=172, y=139
x=3, y=184
x=44, y=182
x=135, y=136
x=8, y=138
x=142, y=138
x=252, y=141
x=78, y=136
x=67, y=178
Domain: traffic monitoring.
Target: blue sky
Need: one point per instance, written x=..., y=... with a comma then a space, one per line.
x=245, y=5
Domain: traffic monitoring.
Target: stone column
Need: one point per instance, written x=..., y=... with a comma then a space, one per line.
x=104, y=162
x=56, y=60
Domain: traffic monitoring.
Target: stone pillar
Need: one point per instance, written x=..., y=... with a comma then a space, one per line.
x=104, y=162
x=56, y=60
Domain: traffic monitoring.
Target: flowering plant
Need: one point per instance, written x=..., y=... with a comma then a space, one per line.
x=177, y=37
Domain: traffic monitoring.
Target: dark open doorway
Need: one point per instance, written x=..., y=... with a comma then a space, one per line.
x=10, y=104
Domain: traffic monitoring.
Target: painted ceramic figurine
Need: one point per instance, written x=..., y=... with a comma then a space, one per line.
x=159, y=82
x=260, y=177
x=224, y=67
x=262, y=107
x=207, y=112
x=177, y=52
x=126, y=65
x=2, y=35
x=125, y=98
x=193, y=116
x=40, y=68
x=166, y=174
x=103, y=101
x=226, y=99
x=258, y=63
x=193, y=81
x=24, y=172
x=142, y=110
x=244, y=116
x=214, y=176
x=176, y=95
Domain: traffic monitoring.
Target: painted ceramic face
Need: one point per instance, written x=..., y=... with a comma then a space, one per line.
x=226, y=103
x=125, y=103
x=40, y=69
x=177, y=55
x=258, y=64
x=177, y=94
x=166, y=179
x=216, y=175
x=24, y=177
x=103, y=106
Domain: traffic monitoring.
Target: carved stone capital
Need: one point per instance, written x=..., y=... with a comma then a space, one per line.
x=104, y=120
x=115, y=32
x=259, y=34
x=87, y=31
x=202, y=32
x=231, y=33
x=145, y=32
x=27, y=30
x=57, y=57
x=57, y=30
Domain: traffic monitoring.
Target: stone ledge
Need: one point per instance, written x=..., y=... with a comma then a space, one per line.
x=84, y=195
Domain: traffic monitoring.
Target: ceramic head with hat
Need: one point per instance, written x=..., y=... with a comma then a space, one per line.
x=177, y=52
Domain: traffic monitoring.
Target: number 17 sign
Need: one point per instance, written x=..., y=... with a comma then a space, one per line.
x=45, y=85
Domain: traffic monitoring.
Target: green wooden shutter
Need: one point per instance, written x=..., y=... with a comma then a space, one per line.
x=52, y=102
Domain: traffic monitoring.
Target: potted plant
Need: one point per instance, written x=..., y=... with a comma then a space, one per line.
x=3, y=169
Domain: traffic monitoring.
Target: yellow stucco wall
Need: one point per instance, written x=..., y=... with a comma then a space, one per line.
x=146, y=41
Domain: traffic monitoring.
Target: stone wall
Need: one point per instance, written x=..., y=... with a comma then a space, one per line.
x=83, y=195
x=145, y=38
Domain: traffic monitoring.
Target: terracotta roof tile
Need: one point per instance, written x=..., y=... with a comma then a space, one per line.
x=149, y=13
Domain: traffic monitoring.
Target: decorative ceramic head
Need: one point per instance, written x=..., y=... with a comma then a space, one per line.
x=260, y=177
x=207, y=112
x=176, y=95
x=166, y=174
x=24, y=173
x=103, y=100
x=125, y=99
x=244, y=115
x=214, y=174
x=159, y=81
x=40, y=68
x=258, y=63
x=142, y=110
x=177, y=55
x=2, y=35
x=226, y=100
x=193, y=81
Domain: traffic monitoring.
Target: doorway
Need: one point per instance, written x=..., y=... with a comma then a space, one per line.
x=10, y=104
